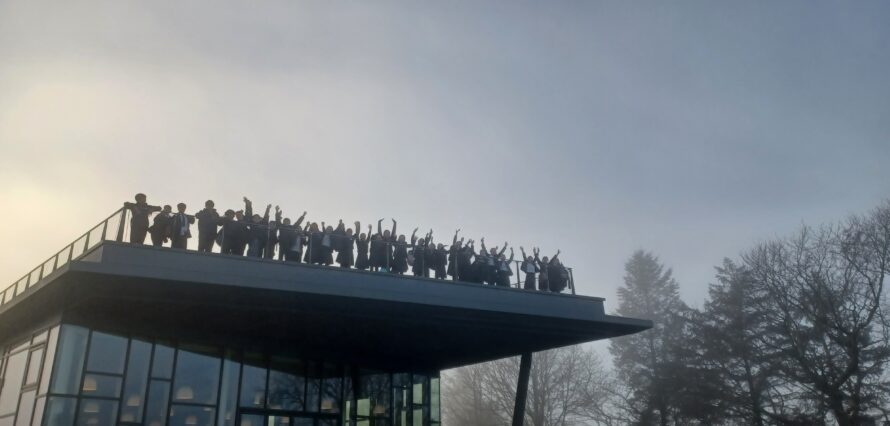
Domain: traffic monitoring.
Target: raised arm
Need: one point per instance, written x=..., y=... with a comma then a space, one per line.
x=358, y=229
x=380, y=227
x=454, y=240
x=277, y=214
x=555, y=256
x=248, y=208
x=482, y=241
x=394, y=226
x=266, y=214
x=300, y=220
x=503, y=250
x=414, y=237
x=512, y=256
x=522, y=250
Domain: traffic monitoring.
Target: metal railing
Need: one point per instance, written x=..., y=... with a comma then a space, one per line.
x=114, y=228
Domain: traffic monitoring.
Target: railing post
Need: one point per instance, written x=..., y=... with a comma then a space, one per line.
x=86, y=242
x=518, y=273
x=120, y=226
x=572, y=281
x=104, y=229
x=70, y=251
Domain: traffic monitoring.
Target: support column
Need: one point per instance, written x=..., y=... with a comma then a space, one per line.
x=525, y=368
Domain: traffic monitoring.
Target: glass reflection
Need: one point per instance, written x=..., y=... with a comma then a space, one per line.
x=72, y=351
x=14, y=373
x=34, y=363
x=253, y=387
x=287, y=384
x=228, y=400
x=26, y=408
x=156, y=405
x=135, y=383
x=162, y=366
x=60, y=411
x=252, y=420
x=188, y=415
x=197, y=378
x=97, y=412
x=101, y=385
x=107, y=354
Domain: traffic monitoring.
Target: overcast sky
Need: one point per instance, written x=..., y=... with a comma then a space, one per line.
x=691, y=129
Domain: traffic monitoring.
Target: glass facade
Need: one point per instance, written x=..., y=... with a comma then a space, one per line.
x=70, y=375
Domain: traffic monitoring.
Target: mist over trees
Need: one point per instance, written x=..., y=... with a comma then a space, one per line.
x=794, y=331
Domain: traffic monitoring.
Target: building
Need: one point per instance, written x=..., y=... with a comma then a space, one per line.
x=111, y=333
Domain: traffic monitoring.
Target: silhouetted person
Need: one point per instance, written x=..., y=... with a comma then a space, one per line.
x=362, y=245
x=399, y=263
x=440, y=264
x=160, y=227
x=418, y=255
x=559, y=275
x=345, y=254
x=290, y=240
x=139, y=212
x=208, y=221
x=179, y=227
x=258, y=230
x=503, y=273
x=530, y=268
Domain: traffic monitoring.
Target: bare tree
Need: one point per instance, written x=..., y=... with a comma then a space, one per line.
x=567, y=386
x=828, y=314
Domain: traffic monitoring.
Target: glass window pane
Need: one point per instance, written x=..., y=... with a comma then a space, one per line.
x=7, y=421
x=97, y=412
x=72, y=350
x=48, y=360
x=34, y=363
x=252, y=420
x=420, y=387
x=107, y=354
x=38, y=411
x=39, y=337
x=253, y=386
x=313, y=386
x=434, y=399
x=187, y=415
x=228, y=399
x=197, y=378
x=136, y=381
x=26, y=408
x=401, y=398
x=60, y=411
x=162, y=366
x=287, y=384
x=101, y=385
x=373, y=395
x=331, y=389
x=156, y=406
x=14, y=373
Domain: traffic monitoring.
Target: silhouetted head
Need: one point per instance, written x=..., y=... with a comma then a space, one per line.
x=229, y=214
x=362, y=236
x=493, y=251
x=375, y=237
x=349, y=232
x=256, y=218
x=544, y=259
x=329, y=229
x=386, y=233
x=401, y=238
x=239, y=214
x=180, y=207
x=556, y=261
x=440, y=246
x=287, y=221
x=529, y=259
x=167, y=208
x=313, y=227
x=209, y=204
x=140, y=198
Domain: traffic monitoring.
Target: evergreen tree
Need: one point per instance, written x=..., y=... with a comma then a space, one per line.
x=643, y=361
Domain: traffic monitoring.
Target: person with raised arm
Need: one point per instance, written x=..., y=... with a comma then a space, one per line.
x=504, y=270
x=345, y=254
x=399, y=263
x=160, y=227
x=208, y=222
x=559, y=275
x=361, y=245
x=456, y=247
x=417, y=255
x=313, y=244
x=378, y=249
x=530, y=268
x=139, y=213
x=465, y=261
x=179, y=227
x=440, y=261
x=544, y=275
x=290, y=240
x=327, y=244
x=258, y=231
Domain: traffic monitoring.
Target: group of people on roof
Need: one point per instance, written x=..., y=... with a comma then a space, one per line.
x=246, y=232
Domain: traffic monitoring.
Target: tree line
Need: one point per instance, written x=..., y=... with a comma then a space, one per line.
x=793, y=331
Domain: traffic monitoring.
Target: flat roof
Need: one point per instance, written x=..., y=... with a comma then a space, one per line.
x=372, y=319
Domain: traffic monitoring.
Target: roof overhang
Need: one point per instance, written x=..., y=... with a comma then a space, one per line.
x=371, y=319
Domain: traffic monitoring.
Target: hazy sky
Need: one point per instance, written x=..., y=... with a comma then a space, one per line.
x=692, y=129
